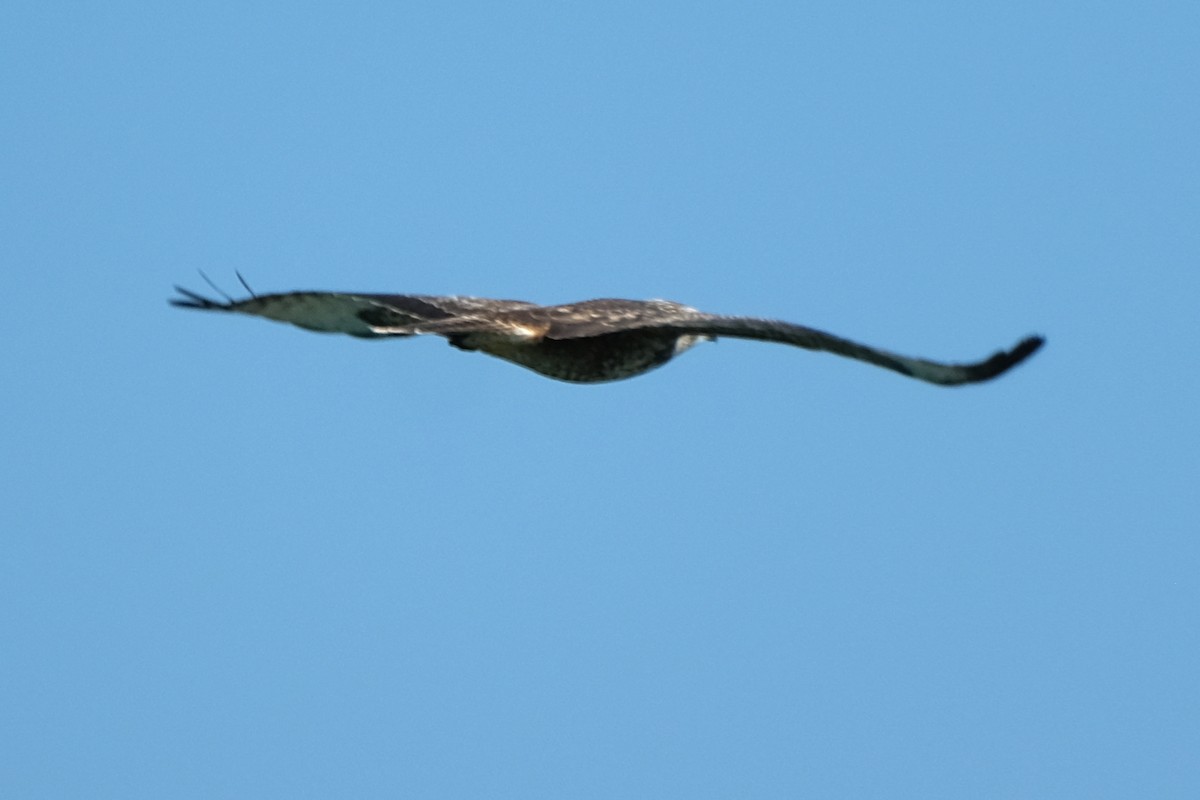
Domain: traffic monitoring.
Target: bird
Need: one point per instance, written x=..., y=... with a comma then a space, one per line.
x=592, y=341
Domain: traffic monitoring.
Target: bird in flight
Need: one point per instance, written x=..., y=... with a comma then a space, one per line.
x=586, y=342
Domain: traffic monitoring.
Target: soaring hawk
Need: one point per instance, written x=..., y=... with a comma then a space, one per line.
x=586, y=342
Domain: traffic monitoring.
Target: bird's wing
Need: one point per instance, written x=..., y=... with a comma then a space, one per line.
x=365, y=315
x=532, y=323
x=605, y=316
x=686, y=321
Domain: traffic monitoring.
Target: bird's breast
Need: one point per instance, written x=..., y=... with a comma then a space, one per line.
x=594, y=359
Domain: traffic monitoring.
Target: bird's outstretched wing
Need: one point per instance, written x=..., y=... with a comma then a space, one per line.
x=363, y=315
x=594, y=318
x=766, y=330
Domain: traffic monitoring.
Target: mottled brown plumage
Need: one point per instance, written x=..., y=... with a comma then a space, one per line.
x=586, y=342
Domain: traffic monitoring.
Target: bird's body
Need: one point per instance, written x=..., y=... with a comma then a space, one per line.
x=586, y=342
x=595, y=359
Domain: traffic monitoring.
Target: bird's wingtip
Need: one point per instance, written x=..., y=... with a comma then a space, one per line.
x=192, y=300
x=1005, y=360
x=1027, y=347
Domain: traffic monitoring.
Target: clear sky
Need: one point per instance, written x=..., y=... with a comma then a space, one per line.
x=243, y=560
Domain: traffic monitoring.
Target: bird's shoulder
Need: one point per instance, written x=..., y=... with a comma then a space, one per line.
x=606, y=315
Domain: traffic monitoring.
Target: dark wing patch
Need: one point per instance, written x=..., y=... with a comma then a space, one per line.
x=942, y=373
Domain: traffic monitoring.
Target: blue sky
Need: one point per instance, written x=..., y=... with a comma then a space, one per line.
x=242, y=560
